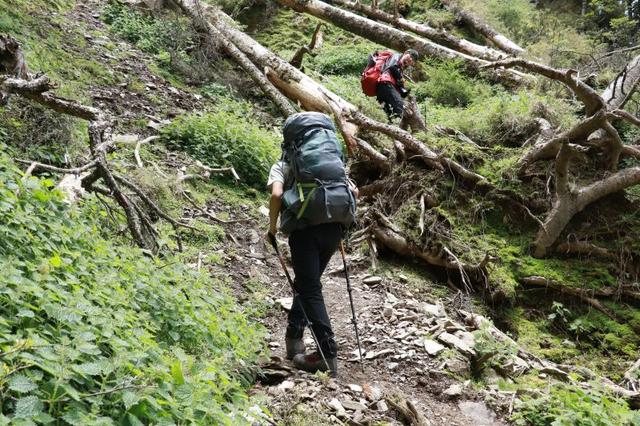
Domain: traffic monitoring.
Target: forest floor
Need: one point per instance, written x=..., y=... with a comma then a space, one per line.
x=393, y=314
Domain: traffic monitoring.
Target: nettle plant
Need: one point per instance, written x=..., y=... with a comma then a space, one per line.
x=95, y=333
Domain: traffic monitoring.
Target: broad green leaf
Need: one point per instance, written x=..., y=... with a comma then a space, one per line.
x=22, y=384
x=129, y=399
x=25, y=313
x=28, y=407
x=88, y=368
x=176, y=373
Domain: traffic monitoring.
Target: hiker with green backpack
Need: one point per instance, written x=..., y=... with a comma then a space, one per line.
x=383, y=77
x=316, y=202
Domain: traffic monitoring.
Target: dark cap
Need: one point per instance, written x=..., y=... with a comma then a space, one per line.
x=414, y=54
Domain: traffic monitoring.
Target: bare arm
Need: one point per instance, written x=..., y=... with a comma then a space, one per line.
x=274, y=206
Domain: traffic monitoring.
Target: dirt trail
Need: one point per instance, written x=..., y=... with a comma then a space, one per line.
x=396, y=362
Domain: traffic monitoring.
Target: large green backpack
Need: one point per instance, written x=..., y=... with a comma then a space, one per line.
x=317, y=190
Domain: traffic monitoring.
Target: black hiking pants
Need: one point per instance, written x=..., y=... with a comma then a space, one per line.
x=390, y=99
x=311, y=250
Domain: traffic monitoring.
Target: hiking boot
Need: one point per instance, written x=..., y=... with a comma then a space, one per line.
x=313, y=362
x=294, y=347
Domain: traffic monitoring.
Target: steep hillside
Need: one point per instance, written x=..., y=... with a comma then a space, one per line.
x=100, y=327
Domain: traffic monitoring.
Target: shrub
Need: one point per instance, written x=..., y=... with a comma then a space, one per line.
x=227, y=138
x=95, y=333
x=567, y=405
x=447, y=85
x=340, y=61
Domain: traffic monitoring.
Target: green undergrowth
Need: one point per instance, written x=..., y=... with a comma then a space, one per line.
x=227, y=136
x=98, y=333
x=568, y=405
x=50, y=47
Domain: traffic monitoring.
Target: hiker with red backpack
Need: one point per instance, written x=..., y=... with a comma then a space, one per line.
x=316, y=202
x=383, y=78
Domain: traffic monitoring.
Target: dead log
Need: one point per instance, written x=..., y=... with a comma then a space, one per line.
x=584, y=295
x=632, y=377
x=570, y=201
x=407, y=410
x=585, y=248
x=613, y=98
x=478, y=26
x=316, y=43
x=192, y=9
x=623, y=86
x=472, y=276
x=560, y=371
x=437, y=36
x=394, y=38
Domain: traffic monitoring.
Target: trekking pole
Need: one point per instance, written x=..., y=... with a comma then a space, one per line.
x=296, y=296
x=353, y=310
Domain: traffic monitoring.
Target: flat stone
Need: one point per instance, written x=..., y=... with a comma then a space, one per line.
x=372, y=280
x=456, y=343
x=466, y=337
x=373, y=393
x=453, y=391
x=431, y=310
x=382, y=405
x=353, y=405
x=355, y=388
x=432, y=347
x=335, y=405
x=403, y=278
x=378, y=354
x=286, y=385
x=391, y=298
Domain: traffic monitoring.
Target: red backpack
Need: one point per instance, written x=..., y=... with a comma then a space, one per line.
x=371, y=74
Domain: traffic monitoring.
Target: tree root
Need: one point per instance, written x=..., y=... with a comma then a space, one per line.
x=100, y=142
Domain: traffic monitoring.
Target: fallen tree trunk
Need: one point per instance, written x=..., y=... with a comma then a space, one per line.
x=192, y=10
x=438, y=36
x=393, y=38
x=560, y=371
x=477, y=25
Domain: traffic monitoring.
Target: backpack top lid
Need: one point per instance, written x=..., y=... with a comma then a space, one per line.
x=298, y=124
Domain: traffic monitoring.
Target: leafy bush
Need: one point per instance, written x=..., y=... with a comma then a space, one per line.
x=93, y=333
x=340, y=61
x=227, y=138
x=568, y=405
x=447, y=85
x=144, y=31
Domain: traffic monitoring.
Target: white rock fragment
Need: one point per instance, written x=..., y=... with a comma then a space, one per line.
x=382, y=405
x=285, y=303
x=355, y=388
x=264, y=211
x=373, y=393
x=454, y=342
x=431, y=310
x=353, y=405
x=286, y=385
x=454, y=391
x=335, y=405
x=432, y=347
x=372, y=280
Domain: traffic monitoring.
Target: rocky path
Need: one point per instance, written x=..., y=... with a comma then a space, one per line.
x=412, y=351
